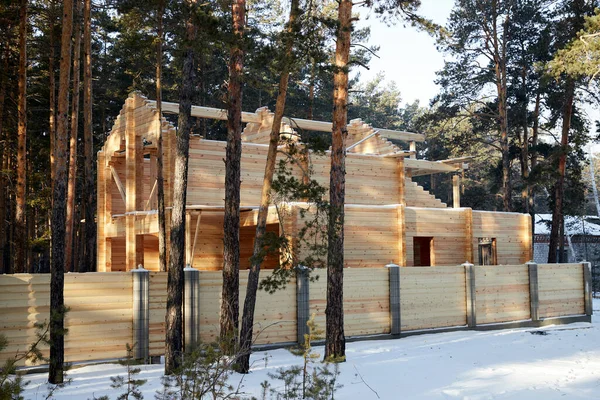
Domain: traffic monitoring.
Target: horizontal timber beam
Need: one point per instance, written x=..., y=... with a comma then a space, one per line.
x=305, y=124
x=424, y=167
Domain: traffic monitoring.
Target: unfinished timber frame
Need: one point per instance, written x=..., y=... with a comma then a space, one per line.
x=389, y=218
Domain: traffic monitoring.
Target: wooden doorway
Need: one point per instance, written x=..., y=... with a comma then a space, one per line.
x=423, y=251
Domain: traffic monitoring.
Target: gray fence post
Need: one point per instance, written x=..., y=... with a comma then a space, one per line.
x=395, y=315
x=191, y=308
x=141, y=313
x=471, y=294
x=587, y=287
x=534, y=294
x=302, y=303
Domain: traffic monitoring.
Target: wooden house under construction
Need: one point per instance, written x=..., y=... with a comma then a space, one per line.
x=389, y=218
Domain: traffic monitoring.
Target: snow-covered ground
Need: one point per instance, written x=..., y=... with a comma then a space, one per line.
x=563, y=363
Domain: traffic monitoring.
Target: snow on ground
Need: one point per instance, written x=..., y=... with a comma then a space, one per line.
x=519, y=364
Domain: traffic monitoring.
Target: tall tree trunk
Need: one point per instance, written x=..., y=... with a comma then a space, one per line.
x=72, y=179
x=533, y=152
x=311, y=90
x=3, y=155
x=557, y=213
x=525, y=145
x=335, y=341
x=160, y=185
x=246, y=332
x=57, y=339
x=21, y=229
x=52, y=85
x=174, y=320
x=89, y=200
x=231, y=223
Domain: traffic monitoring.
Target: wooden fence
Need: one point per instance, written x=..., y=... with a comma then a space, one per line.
x=105, y=314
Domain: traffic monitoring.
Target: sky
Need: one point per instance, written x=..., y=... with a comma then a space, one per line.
x=407, y=56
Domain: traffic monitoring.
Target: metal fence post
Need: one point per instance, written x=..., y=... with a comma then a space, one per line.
x=191, y=308
x=141, y=313
x=471, y=294
x=534, y=294
x=587, y=287
x=395, y=314
x=302, y=303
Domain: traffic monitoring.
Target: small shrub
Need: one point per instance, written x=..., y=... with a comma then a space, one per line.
x=130, y=381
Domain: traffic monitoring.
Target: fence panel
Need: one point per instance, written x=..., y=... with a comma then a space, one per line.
x=561, y=290
x=502, y=293
x=433, y=297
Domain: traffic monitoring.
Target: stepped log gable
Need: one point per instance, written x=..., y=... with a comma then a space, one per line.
x=389, y=218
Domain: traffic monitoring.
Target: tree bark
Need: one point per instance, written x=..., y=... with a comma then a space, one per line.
x=52, y=85
x=72, y=178
x=160, y=185
x=246, y=332
x=174, y=320
x=89, y=201
x=557, y=213
x=3, y=155
x=231, y=223
x=21, y=229
x=335, y=341
x=56, y=370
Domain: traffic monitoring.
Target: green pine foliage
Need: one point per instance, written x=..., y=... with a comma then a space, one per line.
x=311, y=380
x=130, y=382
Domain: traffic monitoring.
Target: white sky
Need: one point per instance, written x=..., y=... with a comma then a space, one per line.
x=408, y=56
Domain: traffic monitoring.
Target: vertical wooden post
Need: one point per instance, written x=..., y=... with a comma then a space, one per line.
x=188, y=238
x=471, y=295
x=401, y=181
x=395, y=314
x=469, y=235
x=302, y=303
x=455, y=191
x=134, y=244
x=101, y=190
x=587, y=288
x=534, y=294
x=191, y=308
x=413, y=148
x=141, y=313
x=401, y=235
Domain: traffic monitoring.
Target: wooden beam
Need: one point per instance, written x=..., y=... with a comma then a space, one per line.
x=188, y=238
x=431, y=167
x=456, y=191
x=413, y=150
x=469, y=235
x=206, y=112
x=119, y=184
x=459, y=160
x=399, y=154
x=305, y=124
x=195, y=239
x=361, y=141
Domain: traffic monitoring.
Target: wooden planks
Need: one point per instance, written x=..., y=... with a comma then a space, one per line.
x=432, y=297
x=274, y=319
x=561, y=290
x=502, y=293
x=446, y=226
x=366, y=301
x=99, y=320
x=511, y=231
